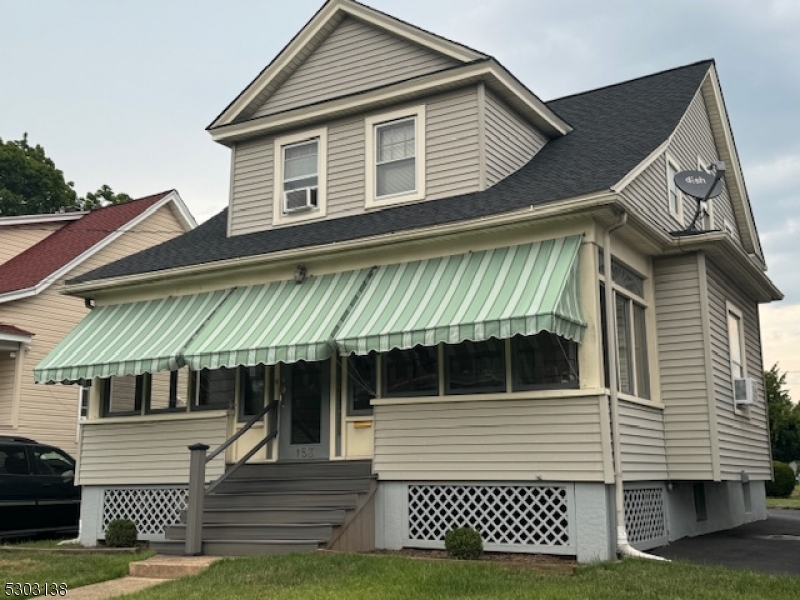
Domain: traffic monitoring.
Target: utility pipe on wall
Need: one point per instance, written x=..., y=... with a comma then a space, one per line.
x=623, y=546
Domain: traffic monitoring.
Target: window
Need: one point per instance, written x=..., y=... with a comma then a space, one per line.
x=13, y=461
x=167, y=392
x=674, y=199
x=412, y=372
x=544, y=361
x=51, y=461
x=395, y=157
x=475, y=367
x=630, y=323
x=125, y=395
x=362, y=381
x=83, y=411
x=253, y=390
x=736, y=342
x=300, y=170
x=213, y=389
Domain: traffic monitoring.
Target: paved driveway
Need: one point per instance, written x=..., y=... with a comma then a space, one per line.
x=770, y=546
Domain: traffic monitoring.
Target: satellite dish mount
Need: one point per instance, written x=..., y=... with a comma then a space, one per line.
x=701, y=186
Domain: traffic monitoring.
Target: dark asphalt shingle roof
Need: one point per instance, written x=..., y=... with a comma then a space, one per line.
x=615, y=128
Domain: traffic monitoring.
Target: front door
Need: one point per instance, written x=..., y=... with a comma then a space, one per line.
x=304, y=411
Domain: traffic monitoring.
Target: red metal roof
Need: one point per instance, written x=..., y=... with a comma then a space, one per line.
x=11, y=330
x=41, y=260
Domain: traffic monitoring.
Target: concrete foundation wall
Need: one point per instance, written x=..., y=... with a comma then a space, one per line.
x=725, y=507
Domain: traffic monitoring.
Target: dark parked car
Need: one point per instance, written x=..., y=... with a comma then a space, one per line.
x=37, y=489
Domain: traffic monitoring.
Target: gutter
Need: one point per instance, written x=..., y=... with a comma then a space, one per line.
x=623, y=546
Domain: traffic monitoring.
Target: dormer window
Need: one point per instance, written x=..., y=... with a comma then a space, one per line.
x=300, y=169
x=300, y=176
x=395, y=157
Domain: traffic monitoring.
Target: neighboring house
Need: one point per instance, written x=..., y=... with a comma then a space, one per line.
x=434, y=289
x=37, y=253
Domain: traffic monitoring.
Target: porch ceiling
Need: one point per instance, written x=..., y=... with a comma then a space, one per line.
x=129, y=339
x=493, y=293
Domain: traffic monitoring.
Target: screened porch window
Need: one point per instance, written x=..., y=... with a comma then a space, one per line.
x=362, y=381
x=544, y=361
x=254, y=386
x=412, y=372
x=213, y=389
x=475, y=367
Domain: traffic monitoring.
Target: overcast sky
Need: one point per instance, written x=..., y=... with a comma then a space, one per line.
x=120, y=92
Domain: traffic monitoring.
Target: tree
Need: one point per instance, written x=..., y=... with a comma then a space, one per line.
x=31, y=184
x=784, y=417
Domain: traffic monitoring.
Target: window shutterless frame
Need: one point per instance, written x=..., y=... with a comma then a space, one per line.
x=281, y=176
x=674, y=196
x=203, y=397
x=482, y=365
x=362, y=381
x=388, y=144
x=172, y=399
x=140, y=396
x=255, y=389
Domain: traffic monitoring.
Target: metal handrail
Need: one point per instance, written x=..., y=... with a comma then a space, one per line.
x=231, y=440
x=197, y=477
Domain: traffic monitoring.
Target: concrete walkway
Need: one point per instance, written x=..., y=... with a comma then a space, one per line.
x=144, y=574
x=770, y=546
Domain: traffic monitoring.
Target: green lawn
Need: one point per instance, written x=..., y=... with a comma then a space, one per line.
x=792, y=501
x=360, y=577
x=21, y=566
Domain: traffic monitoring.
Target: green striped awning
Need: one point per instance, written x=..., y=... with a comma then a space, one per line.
x=276, y=322
x=492, y=293
x=129, y=339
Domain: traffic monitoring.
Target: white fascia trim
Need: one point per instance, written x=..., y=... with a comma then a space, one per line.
x=35, y=219
x=735, y=166
x=418, y=86
x=16, y=339
x=531, y=213
x=327, y=13
x=184, y=214
x=55, y=276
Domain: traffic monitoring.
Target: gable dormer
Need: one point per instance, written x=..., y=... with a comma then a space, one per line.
x=362, y=112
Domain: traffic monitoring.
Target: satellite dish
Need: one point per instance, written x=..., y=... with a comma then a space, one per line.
x=702, y=187
x=699, y=184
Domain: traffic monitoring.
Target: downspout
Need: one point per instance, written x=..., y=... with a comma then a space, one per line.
x=623, y=546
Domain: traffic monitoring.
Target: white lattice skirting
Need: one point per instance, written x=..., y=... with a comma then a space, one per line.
x=645, y=517
x=510, y=518
x=152, y=509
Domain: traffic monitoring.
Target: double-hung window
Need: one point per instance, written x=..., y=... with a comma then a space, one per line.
x=300, y=168
x=395, y=157
x=630, y=325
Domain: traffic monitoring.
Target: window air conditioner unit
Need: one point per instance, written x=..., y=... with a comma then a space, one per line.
x=744, y=391
x=299, y=200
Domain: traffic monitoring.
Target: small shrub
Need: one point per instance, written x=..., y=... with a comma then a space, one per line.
x=121, y=533
x=463, y=543
x=783, y=485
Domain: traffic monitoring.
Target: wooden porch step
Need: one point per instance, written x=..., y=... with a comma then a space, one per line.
x=310, y=499
x=275, y=515
x=304, y=470
x=318, y=484
x=256, y=531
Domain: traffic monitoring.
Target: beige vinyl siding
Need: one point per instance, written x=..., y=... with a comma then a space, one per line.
x=355, y=57
x=452, y=143
x=48, y=413
x=8, y=368
x=15, y=239
x=496, y=440
x=346, y=177
x=452, y=166
x=644, y=456
x=510, y=141
x=123, y=394
x=743, y=439
x=648, y=192
x=151, y=452
x=682, y=363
